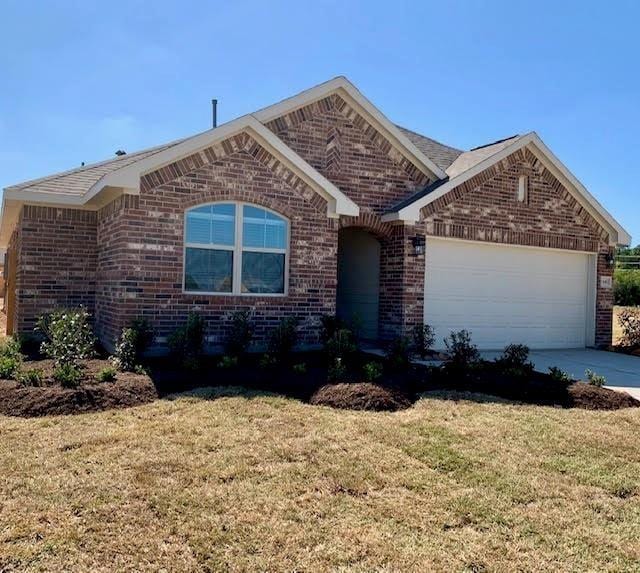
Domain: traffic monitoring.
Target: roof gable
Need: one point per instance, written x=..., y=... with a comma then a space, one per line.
x=484, y=158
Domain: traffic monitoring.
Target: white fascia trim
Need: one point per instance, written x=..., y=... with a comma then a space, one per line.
x=129, y=177
x=354, y=97
x=411, y=213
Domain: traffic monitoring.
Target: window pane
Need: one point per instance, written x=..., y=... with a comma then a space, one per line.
x=199, y=225
x=208, y=270
x=263, y=229
x=262, y=272
x=224, y=224
x=212, y=224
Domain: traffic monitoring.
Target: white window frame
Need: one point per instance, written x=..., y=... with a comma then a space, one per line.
x=523, y=189
x=237, y=250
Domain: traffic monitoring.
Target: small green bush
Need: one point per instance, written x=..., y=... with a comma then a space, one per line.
x=629, y=319
x=329, y=325
x=9, y=367
x=187, y=341
x=423, y=339
x=626, y=287
x=337, y=370
x=68, y=375
x=283, y=339
x=267, y=361
x=31, y=377
x=240, y=334
x=463, y=355
x=144, y=336
x=372, y=371
x=228, y=362
x=11, y=347
x=300, y=368
x=595, y=379
x=125, y=357
x=341, y=345
x=398, y=353
x=107, y=374
x=69, y=337
x=515, y=355
x=559, y=375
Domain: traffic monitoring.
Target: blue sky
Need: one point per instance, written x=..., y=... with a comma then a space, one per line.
x=80, y=80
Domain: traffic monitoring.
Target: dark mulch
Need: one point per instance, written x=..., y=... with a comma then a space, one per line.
x=129, y=389
x=590, y=397
x=361, y=396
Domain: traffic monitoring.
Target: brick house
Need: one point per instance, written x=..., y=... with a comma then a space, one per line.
x=316, y=205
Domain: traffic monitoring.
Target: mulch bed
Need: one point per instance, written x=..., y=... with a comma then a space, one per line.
x=590, y=397
x=361, y=396
x=129, y=389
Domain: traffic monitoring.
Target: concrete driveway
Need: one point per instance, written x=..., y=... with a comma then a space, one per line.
x=621, y=370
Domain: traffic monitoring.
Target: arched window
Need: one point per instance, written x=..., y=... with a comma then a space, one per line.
x=235, y=248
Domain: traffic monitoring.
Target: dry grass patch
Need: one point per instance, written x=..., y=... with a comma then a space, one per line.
x=225, y=479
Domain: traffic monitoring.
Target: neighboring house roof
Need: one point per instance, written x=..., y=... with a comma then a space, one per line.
x=442, y=155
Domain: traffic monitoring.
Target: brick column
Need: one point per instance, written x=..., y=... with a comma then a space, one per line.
x=604, y=297
x=401, y=283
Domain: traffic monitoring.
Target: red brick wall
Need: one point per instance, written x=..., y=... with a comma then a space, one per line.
x=141, y=251
x=485, y=208
x=349, y=152
x=56, y=267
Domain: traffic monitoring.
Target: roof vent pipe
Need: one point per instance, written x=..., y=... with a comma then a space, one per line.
x=214, y=112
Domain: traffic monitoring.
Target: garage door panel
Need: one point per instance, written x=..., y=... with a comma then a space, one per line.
x=505, y=294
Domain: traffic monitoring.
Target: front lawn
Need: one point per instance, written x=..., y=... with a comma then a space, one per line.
x=228, y=479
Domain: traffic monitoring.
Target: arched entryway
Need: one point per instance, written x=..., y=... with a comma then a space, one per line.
x=358, y=292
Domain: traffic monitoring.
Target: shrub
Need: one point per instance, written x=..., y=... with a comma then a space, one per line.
x=337, y=370
x=31, y=377
x=300, y=368
x=372, y=371
x=423, y=339
x=515, y=355
x=144, y=336
x=595, y=379
x=341, y=345
x=240, y=334
x=267, y=361
x=125, y=357
x=558, y=375
x=187, y=341
x=282, y=339
x=329, y=325
x=398, y=354
x=228, y=362
x=463, y=354
x=629, y=319
x=107, y=374
x=11, y=347
x=69, y=337
x=9, y=367
x=68, y=375
x=626, y=287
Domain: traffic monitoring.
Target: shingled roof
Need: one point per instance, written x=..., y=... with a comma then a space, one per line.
x=442, y=155
x=77, y=181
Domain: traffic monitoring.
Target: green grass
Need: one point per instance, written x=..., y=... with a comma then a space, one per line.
x=234, y=480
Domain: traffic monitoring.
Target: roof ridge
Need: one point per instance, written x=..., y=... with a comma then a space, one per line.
x=495, y=142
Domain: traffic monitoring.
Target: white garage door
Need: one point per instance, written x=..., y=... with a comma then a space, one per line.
x=502, y=295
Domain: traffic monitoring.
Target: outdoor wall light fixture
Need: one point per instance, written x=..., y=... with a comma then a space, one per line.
x=611, y=260
x=418, y=242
